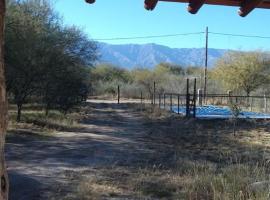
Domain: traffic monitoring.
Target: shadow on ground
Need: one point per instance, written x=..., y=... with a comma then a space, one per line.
x=120, y=136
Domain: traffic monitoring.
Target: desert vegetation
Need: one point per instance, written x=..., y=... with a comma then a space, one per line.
x=47, y=62
x=244, y=73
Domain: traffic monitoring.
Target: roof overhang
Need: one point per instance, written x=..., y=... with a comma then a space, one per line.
x=245, y=6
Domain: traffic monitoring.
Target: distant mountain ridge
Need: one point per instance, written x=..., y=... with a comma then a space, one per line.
x=148, y=55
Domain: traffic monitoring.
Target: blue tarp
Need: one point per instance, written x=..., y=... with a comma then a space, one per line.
x=217, y=112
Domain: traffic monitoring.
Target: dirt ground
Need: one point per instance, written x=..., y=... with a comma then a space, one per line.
x=45, y=167
x=117, y=143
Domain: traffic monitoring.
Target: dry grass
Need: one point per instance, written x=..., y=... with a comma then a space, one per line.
x=208, y=162
x=191, y=180
x=34, y=120
x=193, y=160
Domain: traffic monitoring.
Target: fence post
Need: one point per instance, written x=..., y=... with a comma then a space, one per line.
x=118, y=94
x=229, y=92
x=251, y=104
x=194, y=98
x=141, y=98
x=187, y=99
x=265, y=103
x=200, y=97
x=171, y=102
x=164, y=100
x=154, y=96
x=221, y=100
x=178, y=103
x=159, y=100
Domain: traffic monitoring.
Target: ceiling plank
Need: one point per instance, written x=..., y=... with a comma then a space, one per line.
x=195, y=5
x=150, y=4
x=247, y=6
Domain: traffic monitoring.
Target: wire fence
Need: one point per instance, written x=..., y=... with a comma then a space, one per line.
x=194, y=103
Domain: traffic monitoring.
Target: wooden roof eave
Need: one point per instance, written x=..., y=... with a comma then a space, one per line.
x=90, y=1
x=237, y=3
x=246, y=6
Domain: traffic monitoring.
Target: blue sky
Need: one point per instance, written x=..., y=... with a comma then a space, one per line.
x=128, y=18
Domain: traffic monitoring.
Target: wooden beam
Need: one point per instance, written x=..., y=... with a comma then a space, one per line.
x=237, y=3
x=90, y=1
x=195, y=5
x=150, y=4
x=4, y=185
x=247, y=6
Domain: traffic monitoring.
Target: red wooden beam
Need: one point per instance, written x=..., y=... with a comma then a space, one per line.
x=90, y=1
x=264, y=4
x=195, y=5
x=150, y=4
x=247, y=6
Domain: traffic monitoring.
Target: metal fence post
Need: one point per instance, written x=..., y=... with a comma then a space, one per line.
x=187, y=99
x=159, y=100
x=141, y=98
x=229, y=101
x=164, y=100
x=178, y=103
x=154, y=96
x=118, y=92
x=200, y=97
x=265, y=103
x=251, y=104
x=194, y=98
x=171, y=102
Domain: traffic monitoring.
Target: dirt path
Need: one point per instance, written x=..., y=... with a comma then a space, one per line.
x=41, y=167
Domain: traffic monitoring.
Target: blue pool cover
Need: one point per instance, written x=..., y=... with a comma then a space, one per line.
x=216, y=112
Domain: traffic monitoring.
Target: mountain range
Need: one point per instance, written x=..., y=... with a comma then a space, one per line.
x=148, y=55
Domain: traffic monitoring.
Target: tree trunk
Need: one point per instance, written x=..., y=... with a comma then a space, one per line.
x=4, y=185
